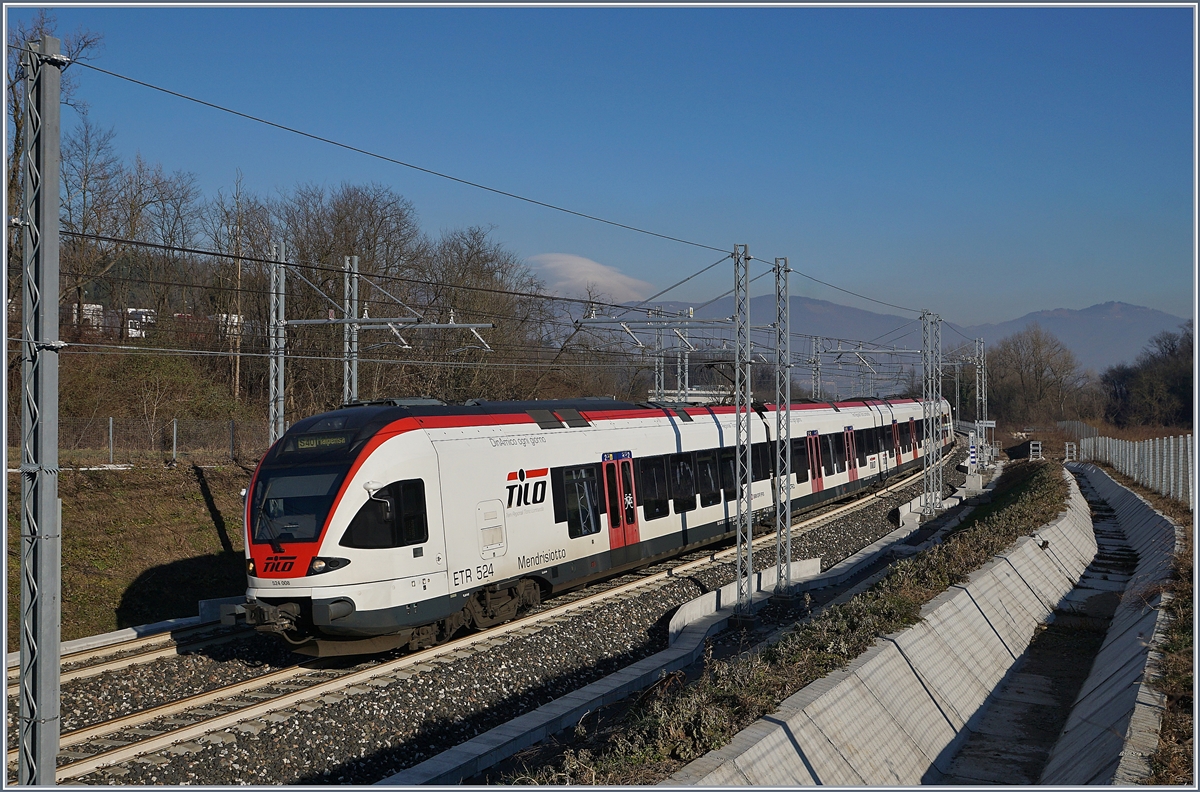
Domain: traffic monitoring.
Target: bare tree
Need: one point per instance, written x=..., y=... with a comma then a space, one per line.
x=78, y=46
x=1033, y=376
x=91, y=172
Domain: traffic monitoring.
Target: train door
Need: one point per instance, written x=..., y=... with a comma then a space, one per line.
x=899, y=449
x=620, y=500
x=851, y=455
x=912, y=437
x=629, y=503
x=814, y=460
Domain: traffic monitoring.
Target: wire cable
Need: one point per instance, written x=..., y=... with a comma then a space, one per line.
x=392, y=160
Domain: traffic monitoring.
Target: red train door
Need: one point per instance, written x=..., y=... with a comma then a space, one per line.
x=814, y=460
x=851, y=456
x=629, y=503
x=620, y=499
x=896, y=442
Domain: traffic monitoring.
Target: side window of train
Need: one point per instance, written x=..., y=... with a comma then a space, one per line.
x=683, y=482
x=708, y=477
x=652, y=483
x=581, y=500
x=394, y=517
x=862, y=445
x=727, y=463
x=800, y=458
x=760, y=461
x=828, y=457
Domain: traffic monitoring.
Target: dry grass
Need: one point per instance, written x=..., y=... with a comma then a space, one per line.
x=664, y=731
x=138, y=545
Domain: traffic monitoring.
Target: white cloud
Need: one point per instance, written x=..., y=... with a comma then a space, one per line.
x=568, y=274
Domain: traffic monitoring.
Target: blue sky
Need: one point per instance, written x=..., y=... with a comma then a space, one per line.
x=981, y=162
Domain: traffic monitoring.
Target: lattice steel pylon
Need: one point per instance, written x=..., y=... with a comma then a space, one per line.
x=815, y=362
x=742, y=406
x=659, y=364
x=41, y=510
x=783, y=430
x=350, y=331
x=985, y=448
x=931, y=411
x=278, y=338
x=683, y=348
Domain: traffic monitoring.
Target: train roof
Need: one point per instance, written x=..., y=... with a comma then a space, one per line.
x=359, y=421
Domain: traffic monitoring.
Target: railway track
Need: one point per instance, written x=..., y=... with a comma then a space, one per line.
x=276, y=696
x=115, y=657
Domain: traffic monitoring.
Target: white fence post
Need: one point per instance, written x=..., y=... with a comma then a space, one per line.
x=1189, y=468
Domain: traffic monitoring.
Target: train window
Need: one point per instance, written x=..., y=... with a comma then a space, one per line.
x=652, y=484
x=862, y=445
x=800, y=458
x=827, y=457
x=614, y=496
x=581, y=500
x=760, y=461
x=292, y=506
x=394, y=517
x=627, y=486
x=683, y=482
x=727, y=458
x=414, y=527
x=708, y=478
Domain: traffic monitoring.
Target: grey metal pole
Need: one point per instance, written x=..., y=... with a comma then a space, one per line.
x=346, y=330
x=174, y=437
x=110, y=440
x=931, y=405
x=783, y=430
x=41, y=509
x=659, y=363
x=742, y=407
x=278, y=342
x=354, y=329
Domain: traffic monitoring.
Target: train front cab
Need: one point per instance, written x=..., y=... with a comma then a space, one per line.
x=345, y=534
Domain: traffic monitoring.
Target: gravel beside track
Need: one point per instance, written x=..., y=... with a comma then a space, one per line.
x=370, y=731
x=128, y=690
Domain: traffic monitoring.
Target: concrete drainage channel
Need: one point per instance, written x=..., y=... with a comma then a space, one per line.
x=693, y=623
x=900, y=713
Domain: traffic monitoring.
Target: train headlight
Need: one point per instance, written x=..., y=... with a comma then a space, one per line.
x=250, y=567
x=320, y=565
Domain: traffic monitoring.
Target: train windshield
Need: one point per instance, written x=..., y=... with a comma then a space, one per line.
x=291, y=505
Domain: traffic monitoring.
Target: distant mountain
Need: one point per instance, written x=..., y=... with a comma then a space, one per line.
x=1100, y=336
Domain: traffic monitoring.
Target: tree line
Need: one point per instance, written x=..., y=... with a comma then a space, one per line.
x=130, y=275
x=1034, y=377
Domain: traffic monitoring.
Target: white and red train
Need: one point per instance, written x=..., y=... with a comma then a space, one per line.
x=393, y=523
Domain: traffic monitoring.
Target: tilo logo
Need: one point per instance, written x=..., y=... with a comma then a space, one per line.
x=521, y=493
x=279, y=563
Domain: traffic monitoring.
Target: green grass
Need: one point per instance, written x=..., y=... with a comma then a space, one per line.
x=138, y=546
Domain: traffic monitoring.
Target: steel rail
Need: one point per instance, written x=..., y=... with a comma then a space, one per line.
x=116, y=664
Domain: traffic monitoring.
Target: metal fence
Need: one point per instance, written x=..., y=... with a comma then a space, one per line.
x=127, y=440
x=1079, y=429
x=1163, y=464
